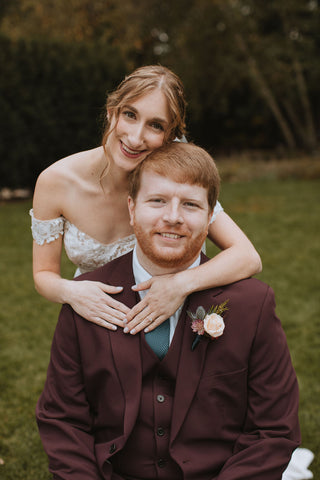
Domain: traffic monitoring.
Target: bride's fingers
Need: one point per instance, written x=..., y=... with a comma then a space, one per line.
x=154, y=324
x=112, y=315
x=104, y=324
x=139, y=322
x=137, y=313
x=147, y=322
x=115, y=304
x=119, y=307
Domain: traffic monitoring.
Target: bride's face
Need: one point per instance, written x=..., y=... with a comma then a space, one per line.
x=141, y=128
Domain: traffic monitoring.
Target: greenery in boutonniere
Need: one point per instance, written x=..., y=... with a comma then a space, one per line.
x=208, y=323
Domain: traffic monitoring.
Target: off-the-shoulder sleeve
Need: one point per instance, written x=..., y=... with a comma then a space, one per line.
x=217, y=209
x=46, y=231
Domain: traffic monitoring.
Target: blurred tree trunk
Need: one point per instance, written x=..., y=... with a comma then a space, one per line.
x=266, y=93
x=274, y=65
x=310, y=131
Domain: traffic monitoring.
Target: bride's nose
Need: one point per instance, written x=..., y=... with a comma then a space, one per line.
x=136, y=136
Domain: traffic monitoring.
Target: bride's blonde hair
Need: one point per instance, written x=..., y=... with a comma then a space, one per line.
x=144, y=80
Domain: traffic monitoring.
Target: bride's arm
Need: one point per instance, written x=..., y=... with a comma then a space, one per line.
x=237, y=260
x=89, y=299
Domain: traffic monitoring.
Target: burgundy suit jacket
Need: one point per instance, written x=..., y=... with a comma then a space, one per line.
x=235, y=411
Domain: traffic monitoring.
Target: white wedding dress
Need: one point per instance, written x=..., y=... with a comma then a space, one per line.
x=88, y=254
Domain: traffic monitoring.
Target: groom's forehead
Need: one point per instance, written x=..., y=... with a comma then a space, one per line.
x=151, y=181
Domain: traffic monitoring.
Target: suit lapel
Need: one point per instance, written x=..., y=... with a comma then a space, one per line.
x=125, y=347
x=191, y=361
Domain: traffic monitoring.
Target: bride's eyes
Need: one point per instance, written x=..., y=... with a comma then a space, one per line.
x=129, y=114
x=157, y=126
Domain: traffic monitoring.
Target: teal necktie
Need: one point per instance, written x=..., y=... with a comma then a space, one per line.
x=158, y=339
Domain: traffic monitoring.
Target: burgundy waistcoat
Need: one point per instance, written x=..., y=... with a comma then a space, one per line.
x=147, y=459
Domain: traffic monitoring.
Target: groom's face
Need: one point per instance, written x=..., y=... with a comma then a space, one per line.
x=170, y=221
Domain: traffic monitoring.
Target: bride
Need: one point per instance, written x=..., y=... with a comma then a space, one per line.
x=81, y=200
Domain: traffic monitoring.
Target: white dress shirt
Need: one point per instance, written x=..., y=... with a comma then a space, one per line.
x=141, y=275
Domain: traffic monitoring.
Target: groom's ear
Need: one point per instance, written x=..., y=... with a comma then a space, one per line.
x=131, y=209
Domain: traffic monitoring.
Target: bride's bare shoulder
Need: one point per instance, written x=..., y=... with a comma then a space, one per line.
x=70, y=170
x=63, y=179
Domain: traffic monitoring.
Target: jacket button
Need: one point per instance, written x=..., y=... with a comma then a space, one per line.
x=160, y=398
x=112, y=448
x=161, y=463
x=160, y=431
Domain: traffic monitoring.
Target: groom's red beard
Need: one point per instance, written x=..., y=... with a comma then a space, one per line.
x=169, y=257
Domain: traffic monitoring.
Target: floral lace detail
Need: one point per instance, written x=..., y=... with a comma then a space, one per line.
x=89, y=254
x=46, y=231
x=84, y=251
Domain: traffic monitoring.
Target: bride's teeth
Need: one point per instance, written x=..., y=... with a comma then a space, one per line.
x=128, y=150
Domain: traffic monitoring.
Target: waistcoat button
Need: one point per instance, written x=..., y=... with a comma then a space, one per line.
x=161, y=463
x=160, y=398
x=112, y=448
x=160, y=431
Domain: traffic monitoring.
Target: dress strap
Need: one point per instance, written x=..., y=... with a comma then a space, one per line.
x=46, y=231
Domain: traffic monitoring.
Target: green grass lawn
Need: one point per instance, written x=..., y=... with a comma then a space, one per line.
x=282, y=218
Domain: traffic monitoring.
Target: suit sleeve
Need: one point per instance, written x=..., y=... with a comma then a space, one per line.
x=271, y=430
x=63, y=413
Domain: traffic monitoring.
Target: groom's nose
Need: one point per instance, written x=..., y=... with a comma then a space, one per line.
x=172, y=213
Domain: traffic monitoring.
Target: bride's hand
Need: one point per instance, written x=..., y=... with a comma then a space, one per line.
x=166, y=294
x=91, y=301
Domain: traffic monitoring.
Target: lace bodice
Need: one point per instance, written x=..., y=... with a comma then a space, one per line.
x=84, y=251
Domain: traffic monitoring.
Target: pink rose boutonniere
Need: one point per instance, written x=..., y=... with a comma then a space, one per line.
x=209, y=323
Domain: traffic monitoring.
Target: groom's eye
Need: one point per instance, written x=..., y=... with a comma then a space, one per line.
x=156, y=200
x=192, y=204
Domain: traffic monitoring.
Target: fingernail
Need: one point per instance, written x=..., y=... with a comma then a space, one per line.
x=134, y=287
x=146, y=330
x=125, y=320
x=119, y=288
x=133, y=331
x=126, y=330
x=114, y=327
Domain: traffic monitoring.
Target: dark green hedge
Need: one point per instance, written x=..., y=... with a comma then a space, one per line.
x=51, y=101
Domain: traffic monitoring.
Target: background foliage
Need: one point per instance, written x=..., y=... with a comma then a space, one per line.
x=51, y=105
x=250, y=69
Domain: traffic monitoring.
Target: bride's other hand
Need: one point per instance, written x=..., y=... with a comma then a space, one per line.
x=91, y=300
x=166, y=294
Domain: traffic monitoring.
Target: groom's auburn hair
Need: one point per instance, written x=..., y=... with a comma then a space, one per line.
x=182, y=163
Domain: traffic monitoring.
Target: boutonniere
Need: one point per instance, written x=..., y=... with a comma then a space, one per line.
x=208, y=323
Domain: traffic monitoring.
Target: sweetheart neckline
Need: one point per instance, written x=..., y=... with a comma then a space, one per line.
x=128, y=237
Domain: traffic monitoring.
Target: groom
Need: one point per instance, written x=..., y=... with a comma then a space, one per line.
x=118, y=406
